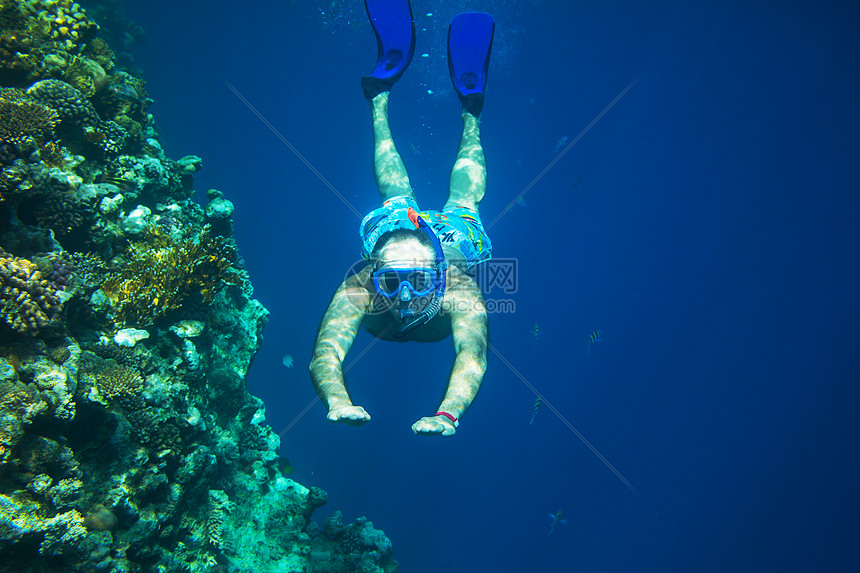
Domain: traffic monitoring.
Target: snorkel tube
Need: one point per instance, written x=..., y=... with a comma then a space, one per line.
x=412, y=321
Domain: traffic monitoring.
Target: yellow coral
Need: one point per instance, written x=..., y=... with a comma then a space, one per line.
x=27, y=302
x=161, y=273
x=66, y=21
x=21, y=119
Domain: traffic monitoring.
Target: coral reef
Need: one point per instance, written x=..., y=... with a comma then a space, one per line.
x=161, y=273
x=71, y=105
x=354, y=547
x=128, y=441
x=21, y=120
x=27, y=301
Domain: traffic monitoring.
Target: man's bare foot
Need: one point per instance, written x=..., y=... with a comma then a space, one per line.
x=352, y=415
x=434, y=425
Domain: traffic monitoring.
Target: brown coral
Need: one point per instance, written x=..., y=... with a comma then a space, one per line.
x=161, y=273
x=27, y=302
x=100, y=519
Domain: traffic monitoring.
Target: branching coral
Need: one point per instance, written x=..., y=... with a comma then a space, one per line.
x=25, y=125
x=27, y=301
x=161, y=273
x=219, y=506
x=23, y=119
x=116, y=381
x=90, y=270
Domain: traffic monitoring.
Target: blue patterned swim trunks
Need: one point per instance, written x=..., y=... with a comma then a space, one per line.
x=458, y=227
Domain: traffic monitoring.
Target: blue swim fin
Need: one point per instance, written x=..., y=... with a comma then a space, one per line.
x=470, y=41
x=395, y=39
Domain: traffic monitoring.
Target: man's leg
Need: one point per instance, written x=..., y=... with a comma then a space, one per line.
x=469, y=176
x=388, y=168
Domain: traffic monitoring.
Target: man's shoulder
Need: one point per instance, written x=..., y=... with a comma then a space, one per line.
x=359, y=279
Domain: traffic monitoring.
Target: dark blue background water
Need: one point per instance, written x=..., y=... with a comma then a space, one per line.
x=707, y=225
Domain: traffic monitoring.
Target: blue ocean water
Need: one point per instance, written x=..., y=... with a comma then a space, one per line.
x=706, y=224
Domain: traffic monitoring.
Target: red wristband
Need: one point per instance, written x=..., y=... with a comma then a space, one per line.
x=447, y=415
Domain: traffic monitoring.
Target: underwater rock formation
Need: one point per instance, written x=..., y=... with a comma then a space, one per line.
x=128, y=441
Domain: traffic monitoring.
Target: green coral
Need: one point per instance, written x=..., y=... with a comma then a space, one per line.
x=160, y=273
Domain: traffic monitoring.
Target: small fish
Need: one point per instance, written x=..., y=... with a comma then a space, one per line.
x=536, y=334
x=560, y=144
x=130, y=94
x=125, y=91
x=535, y=410
x=576, y=183
x=557, y=519
x=284, y=465
x=594, y=338
x=94, y=136
x=123, y=184
x=522, y=202
x=288, y=361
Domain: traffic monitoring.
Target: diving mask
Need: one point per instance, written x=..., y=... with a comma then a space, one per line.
x=390, y=281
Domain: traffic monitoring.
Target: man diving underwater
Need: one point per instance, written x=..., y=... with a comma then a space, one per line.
x=416, y=285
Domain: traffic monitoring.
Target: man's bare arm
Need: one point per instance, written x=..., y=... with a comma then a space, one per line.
x=337, y=332
x=470, y=364
x=469, y=328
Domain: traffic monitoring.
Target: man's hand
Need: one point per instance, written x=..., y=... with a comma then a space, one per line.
x=352, y=415
x=432, y=425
